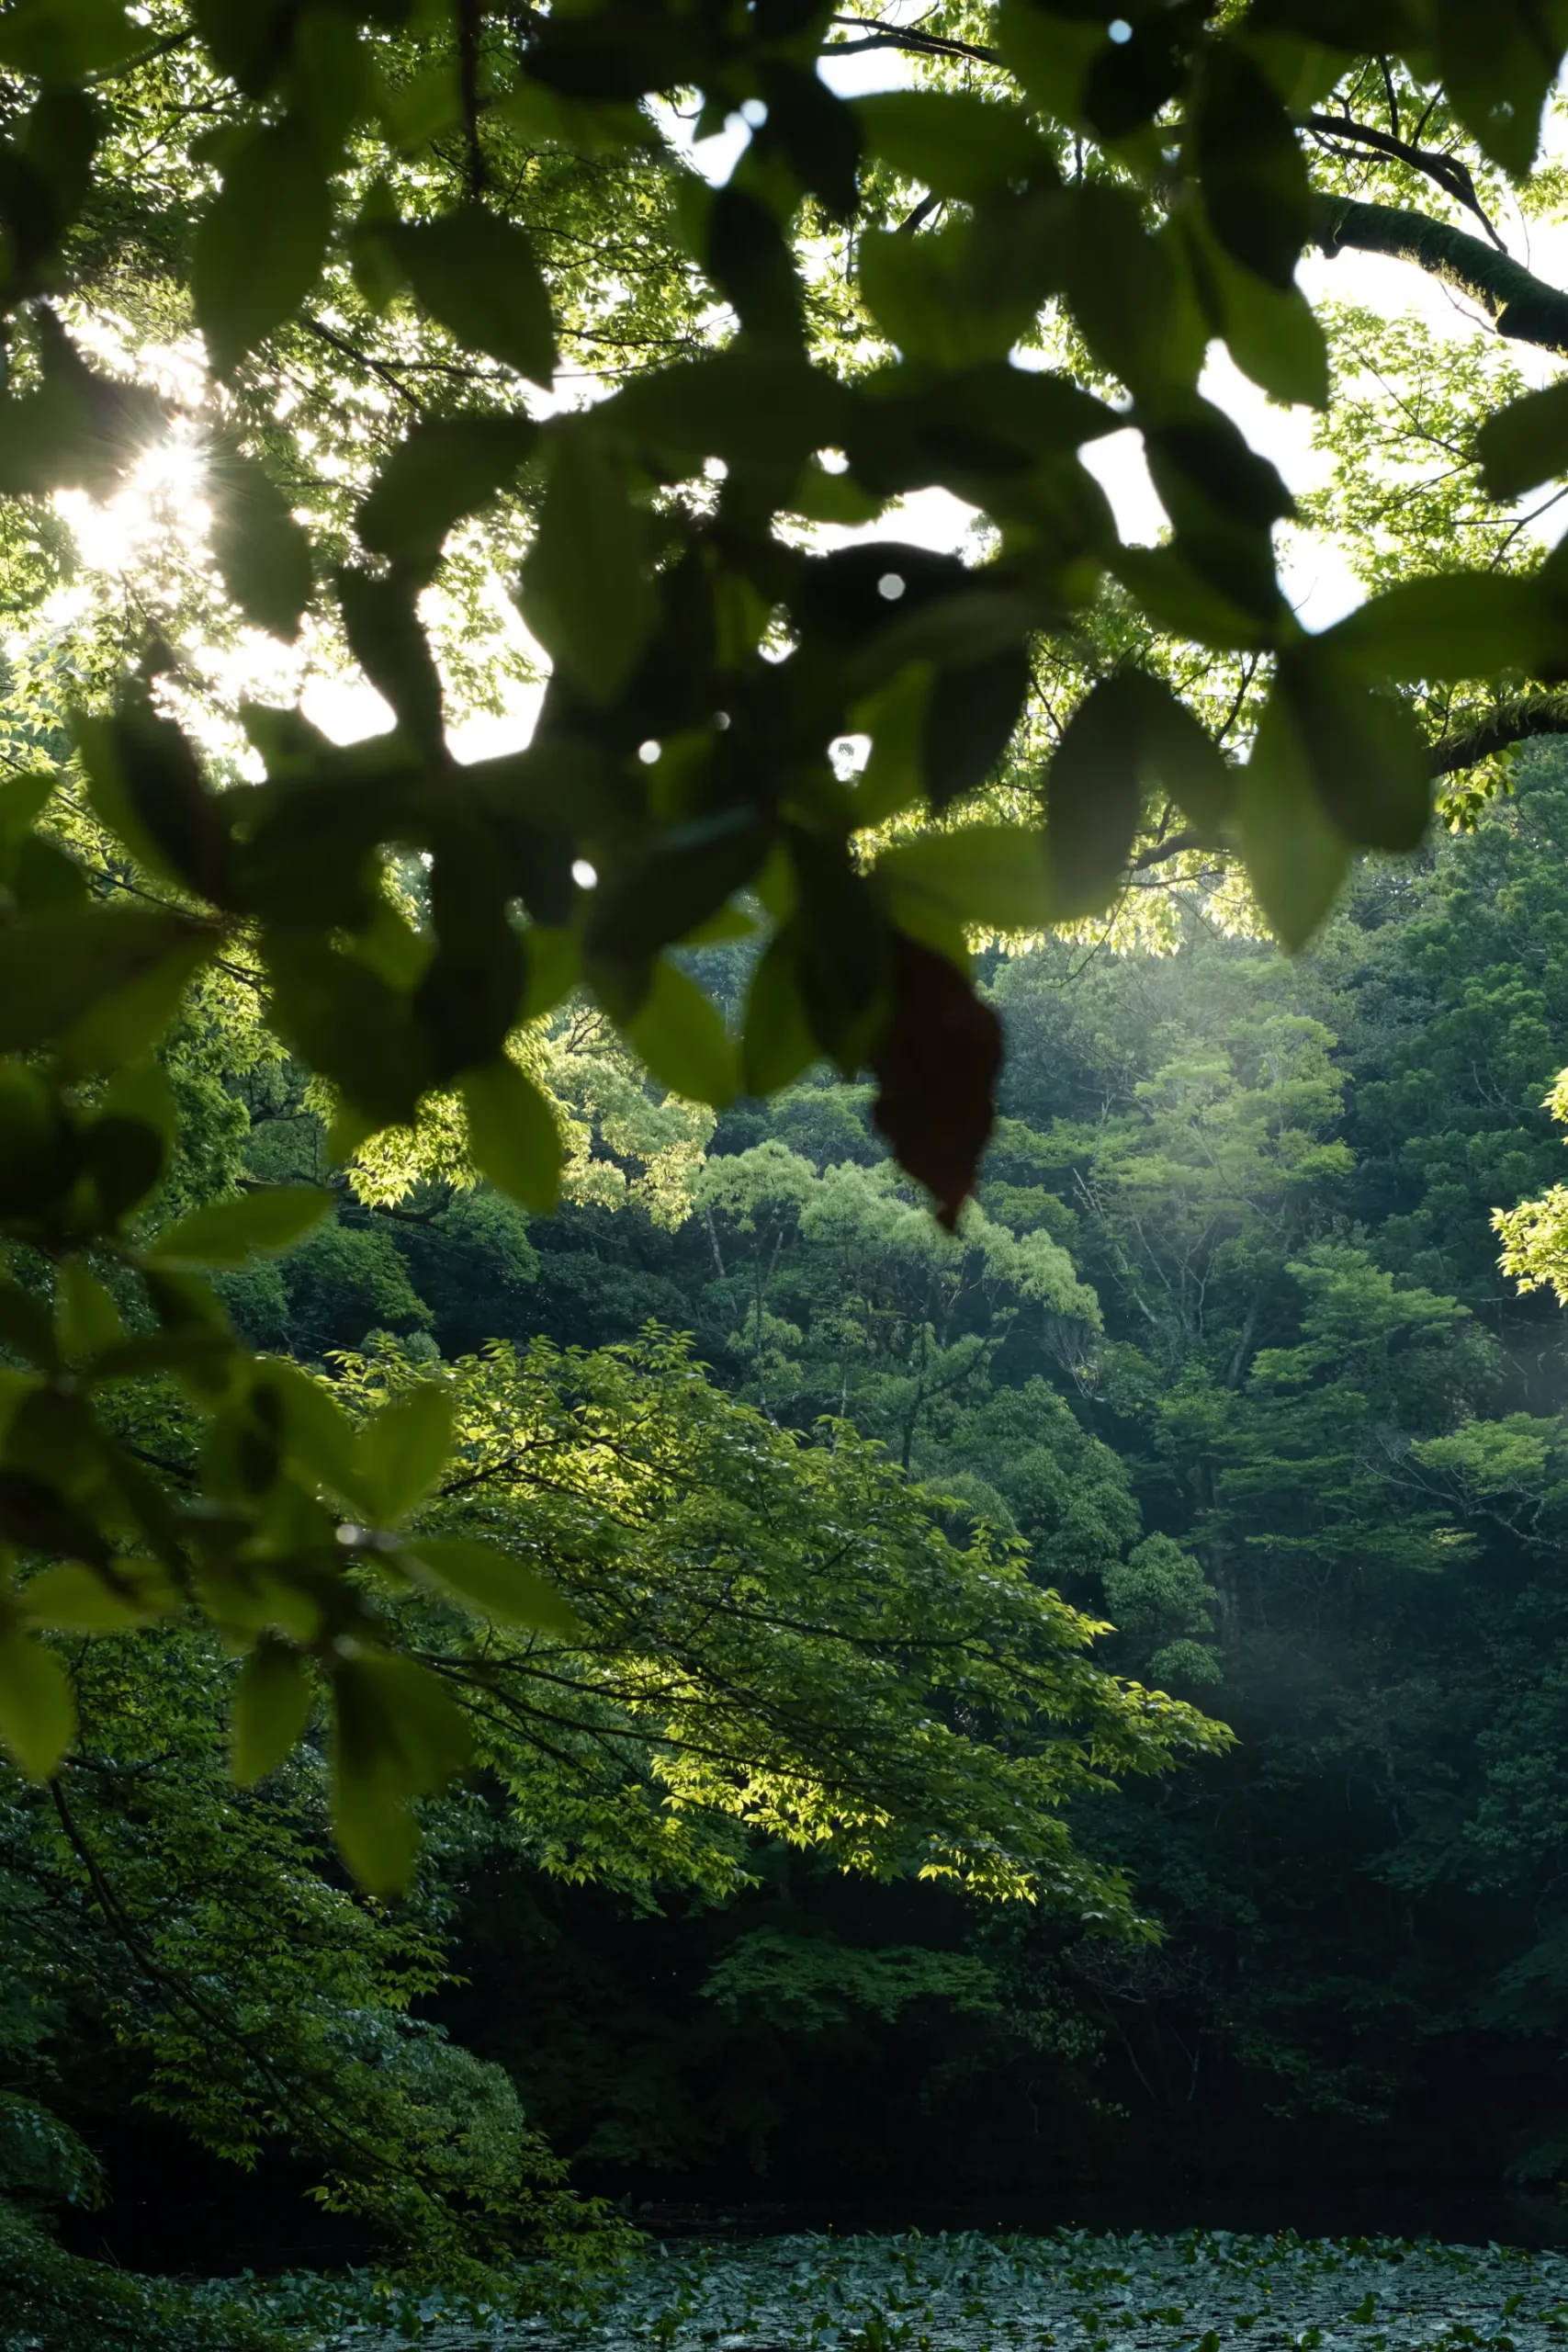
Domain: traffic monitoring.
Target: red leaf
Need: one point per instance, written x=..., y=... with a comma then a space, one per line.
x=938, y=1066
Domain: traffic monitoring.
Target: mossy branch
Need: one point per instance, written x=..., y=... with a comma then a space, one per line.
x=1514, y=721
x=1519, y=304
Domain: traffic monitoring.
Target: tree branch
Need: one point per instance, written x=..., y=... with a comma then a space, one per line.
x=1515, y=721
x=1519, y=304
x=1450, y=173
x=1512, y=722
x=914, y=43
x=363, y=358
x=1174, y=845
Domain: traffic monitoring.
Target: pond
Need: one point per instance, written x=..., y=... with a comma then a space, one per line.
x=1074, y=2290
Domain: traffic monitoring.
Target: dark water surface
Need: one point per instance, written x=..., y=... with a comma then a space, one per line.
x=1459, y=2213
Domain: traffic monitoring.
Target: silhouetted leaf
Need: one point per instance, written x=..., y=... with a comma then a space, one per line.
x=397, y=1734
x=512, y=1135
x=681, y=1035
x=493, y=1582
x=271, y=1707
x=1498, y=65
x=227, y=1233
x=971, y=713
x=62, y=41
x=1453, y=626
x=936, y=1066
x=447, y=467
x=1250, y=165
x=586, y=594
x=263, y=555
x=1525, y=443
x=818, y=133
x=261, y=244
x=1296, y=858
x=37, y=1713
x=991, y=876
x=55, y=968
x=403, y=1449
x=384, y=638
x=477, y=275
x=955, y=141
x=776, y=1040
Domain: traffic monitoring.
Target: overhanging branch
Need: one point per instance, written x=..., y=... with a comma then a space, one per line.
x=1519, y=304
x=1450, y=173
x=1515, y=721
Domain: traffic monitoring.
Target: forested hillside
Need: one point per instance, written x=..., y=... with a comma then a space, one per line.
x=1225, y=1346
x=739, y=1454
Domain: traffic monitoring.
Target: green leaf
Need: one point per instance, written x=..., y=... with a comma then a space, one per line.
x=992, y=875
x=586, y=594
x=950, y=295
x=261, y=244
x=1525, y=444
x=1132, y=295
x=122, y=1028
x=678, y=883
x=26, y=1328
x=820, y=496
x=1094, y=796
x=403, y=1449
x=680, y=1034
x=744, y=251
x=351, y=1024
x=1274, y=335
x=273, y=1695
x=776, y=1043
x=1497, y=64
x=496, y=1583
x=819, y=135
x=86, y=1316
x=971, y=714
x=228, y=1233
x=1179, y=600
x=1296, y=859
x=38, y=1712
x=447, y=467
x=1050, y=58
x=477, y=275
x=750, y=403
x=144, y=781
x=512, y=1137
x=263, y=555
x=953, y=141
x=75, y=1599
x=383, y=625
x=125, y=1154
x=1452, y=625
x=63, y=40
x=55, y=968
x=1250, y=165
x=1366, y=759
x=318, y=1436
x=397, y=1734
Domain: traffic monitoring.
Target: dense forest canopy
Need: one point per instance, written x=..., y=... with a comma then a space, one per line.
x=975, y=1605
